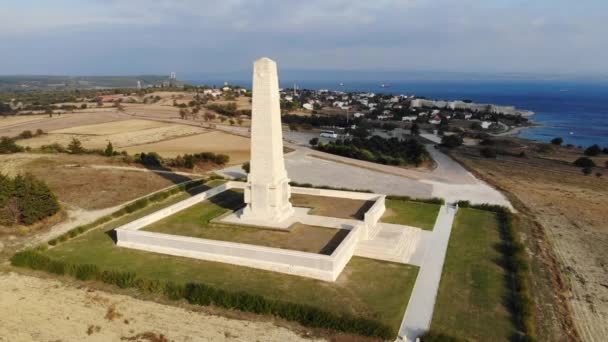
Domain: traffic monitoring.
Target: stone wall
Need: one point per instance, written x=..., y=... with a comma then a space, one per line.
x=311, y=265
x=372, y=217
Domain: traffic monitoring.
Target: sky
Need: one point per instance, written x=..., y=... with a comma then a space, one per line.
x=128, y=37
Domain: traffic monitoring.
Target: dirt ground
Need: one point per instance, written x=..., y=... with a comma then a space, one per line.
x=566, y=221
x=34, y=309
x=235, y=146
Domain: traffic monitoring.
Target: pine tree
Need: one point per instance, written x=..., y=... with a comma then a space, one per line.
x=109, y=150
x=75, y=147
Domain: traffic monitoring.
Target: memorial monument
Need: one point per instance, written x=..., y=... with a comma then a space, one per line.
x=267, y=191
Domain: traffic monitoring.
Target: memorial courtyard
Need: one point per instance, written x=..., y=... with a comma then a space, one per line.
x=356, y=262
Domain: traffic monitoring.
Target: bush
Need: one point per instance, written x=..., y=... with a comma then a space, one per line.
x=587, y=171
x=52, y=148
x=8, y=146
x=584, y=162
x=246, y=167
x=314, y=141
x=451, y=141
x=593, y=150
x=25, y=135
x=557, y=141
x=488, y=152
x=434, y=200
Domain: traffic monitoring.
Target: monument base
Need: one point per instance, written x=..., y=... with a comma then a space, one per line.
x=267, y=203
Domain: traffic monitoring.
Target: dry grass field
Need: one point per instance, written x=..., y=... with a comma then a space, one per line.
x=62, y=121
x=565, y=228
x=121, y=133
x=235, y=146
x=83, y=187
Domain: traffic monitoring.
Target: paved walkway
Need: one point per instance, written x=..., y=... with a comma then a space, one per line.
x=419, y=312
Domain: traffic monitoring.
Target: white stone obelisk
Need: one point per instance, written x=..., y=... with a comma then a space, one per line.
x=267, y=192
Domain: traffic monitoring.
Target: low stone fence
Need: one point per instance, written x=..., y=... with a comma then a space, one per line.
x=372, y=217
x=170, y=210
x=311, y=265
x=364, y=196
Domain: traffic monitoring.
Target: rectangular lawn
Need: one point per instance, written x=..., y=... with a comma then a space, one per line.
x=195, y=222
x=470, y=302
x=366, y=288
x=410, y=213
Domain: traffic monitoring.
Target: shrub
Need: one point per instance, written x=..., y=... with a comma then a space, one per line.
x=488, y=152
x=8, y=146
x=246, y=167
x=451, y=141
x=25, y=135
x=584, y=162
x=557, y=141
x=52, y=148
x=314, y=141
x=587, y=171
x=86, y=271
x=434, y=200
x=593, y=150
x=137, y=205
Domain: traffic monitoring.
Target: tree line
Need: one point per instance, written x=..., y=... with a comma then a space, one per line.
x=376, y=149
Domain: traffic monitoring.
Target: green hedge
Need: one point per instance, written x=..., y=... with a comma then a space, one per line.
x=434, y=200
x=325, y=187
x=201, y=294
x=516, y=265
x=128, y=209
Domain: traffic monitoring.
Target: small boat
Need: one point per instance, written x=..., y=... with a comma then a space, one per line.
x=341, y=84
x=384, y=85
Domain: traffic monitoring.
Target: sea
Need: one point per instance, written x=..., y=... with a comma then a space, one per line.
x=577, y=111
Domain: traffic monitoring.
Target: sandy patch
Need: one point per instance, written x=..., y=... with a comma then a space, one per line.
x=236, y=147
x=34, y=309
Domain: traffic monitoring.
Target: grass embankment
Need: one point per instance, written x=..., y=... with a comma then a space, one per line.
x=196, y=222
x=484, y=291
x=472, y=292
x=411, y=213
x=369, y=298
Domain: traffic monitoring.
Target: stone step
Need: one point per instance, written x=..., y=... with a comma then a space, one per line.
x=385, y=247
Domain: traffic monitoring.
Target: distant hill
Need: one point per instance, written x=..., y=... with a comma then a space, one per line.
x=41, y=82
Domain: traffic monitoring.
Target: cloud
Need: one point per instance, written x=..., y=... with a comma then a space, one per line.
x=190, y=35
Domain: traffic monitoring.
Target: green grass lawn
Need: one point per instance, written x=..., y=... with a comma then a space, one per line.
x=472, y=290
x=366, y=288
x=195, y=222
x=409, y=213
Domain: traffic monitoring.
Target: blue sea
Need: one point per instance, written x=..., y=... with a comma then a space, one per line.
x=575, y=111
